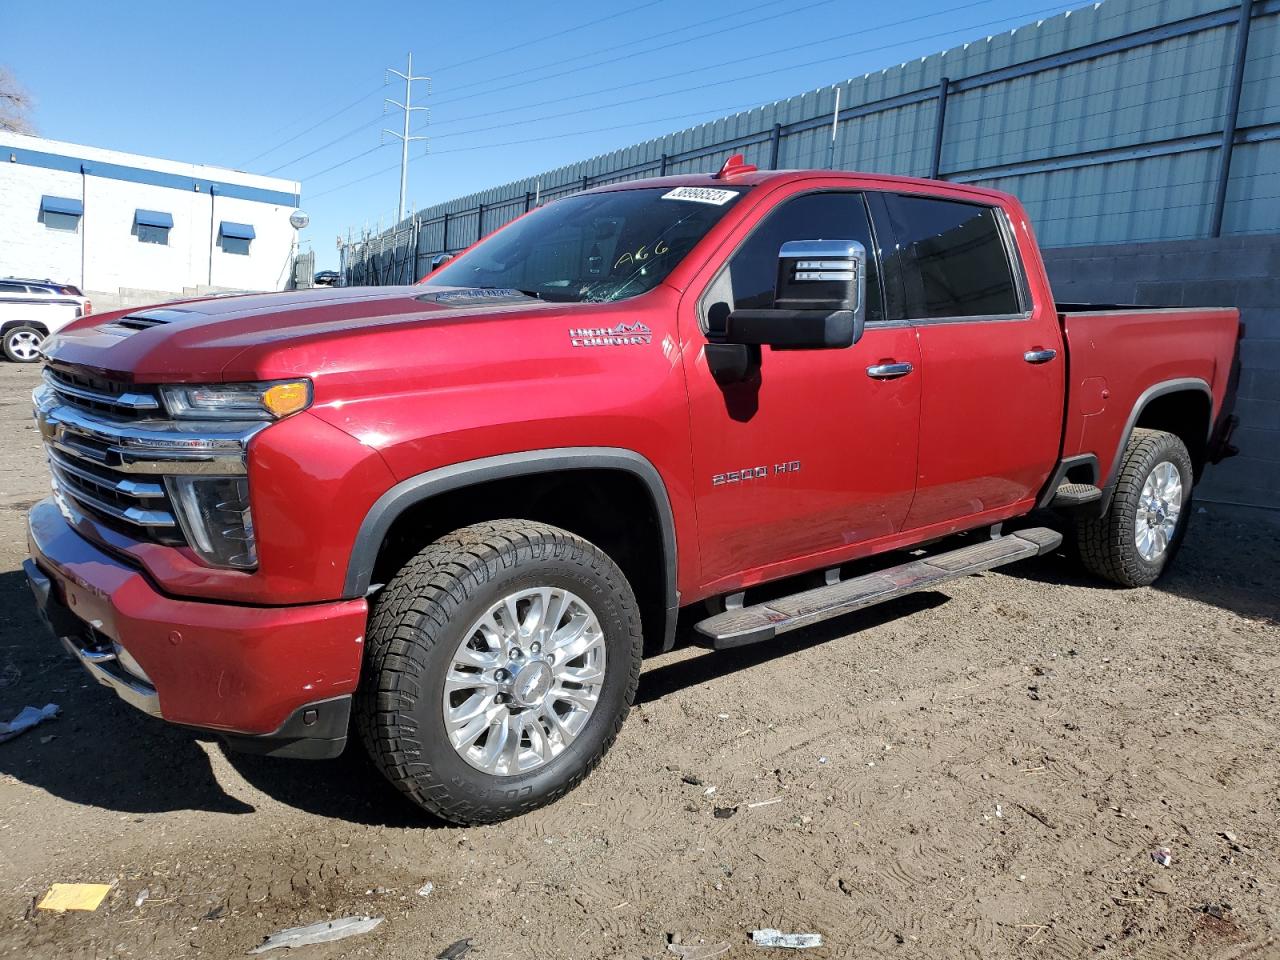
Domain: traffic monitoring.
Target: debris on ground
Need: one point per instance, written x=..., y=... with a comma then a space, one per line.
x=141, y=898
x=454, y=951
x=698, y=951
x=1216, y=910
x=724, y=813
x=27, y=718
x=691, y=780
x=764, y=803
x=425, y=889
x=1035, y=813
x=1162, y=856
x=769, y=937
x=326, y=931
x=74, y=896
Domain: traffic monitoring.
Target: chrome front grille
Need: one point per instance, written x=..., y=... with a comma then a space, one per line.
x=109, y=452
x=99, y=395
x=108, y=494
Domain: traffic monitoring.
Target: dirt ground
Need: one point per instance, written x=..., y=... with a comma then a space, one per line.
x=982, y=771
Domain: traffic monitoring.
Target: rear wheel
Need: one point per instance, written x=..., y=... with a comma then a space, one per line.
x=22, y=344
x=1137, y=539
x=501, y=663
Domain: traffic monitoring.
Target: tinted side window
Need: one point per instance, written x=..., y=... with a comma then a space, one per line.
x=954, y=257
x=12, y=288
x=753, y=271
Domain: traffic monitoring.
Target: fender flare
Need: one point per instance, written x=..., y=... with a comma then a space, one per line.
x=405, y=494
x=1161, y=389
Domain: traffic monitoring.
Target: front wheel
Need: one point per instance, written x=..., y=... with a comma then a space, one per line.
x=22, y=344
x=501, y=663
x=1138, y=537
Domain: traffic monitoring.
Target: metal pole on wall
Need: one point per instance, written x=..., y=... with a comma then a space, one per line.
x=835, y=123
x=936, y=166
x=775, y=145
x=404, y=137
x=1232, y=114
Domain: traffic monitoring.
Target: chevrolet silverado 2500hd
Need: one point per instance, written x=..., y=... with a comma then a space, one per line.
x=453, y=515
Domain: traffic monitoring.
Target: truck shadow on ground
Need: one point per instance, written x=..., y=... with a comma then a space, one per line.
x=98, y=751
x=661, y=680
x=1226, y=561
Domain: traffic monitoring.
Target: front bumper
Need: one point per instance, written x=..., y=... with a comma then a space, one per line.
x=275, y=680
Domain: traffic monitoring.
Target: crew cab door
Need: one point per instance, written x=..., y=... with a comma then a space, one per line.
x=992, y=394
x=814, y=454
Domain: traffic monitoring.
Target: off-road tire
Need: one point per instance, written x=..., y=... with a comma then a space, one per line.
x=416, y=625
x=7, y=342
x=1106, y=544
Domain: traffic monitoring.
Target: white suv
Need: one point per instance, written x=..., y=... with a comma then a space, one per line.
x=31, y=310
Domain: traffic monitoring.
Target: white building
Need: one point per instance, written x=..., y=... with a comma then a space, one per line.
x=129, y=229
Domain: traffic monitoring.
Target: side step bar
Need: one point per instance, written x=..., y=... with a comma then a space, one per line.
x=764, y=621
x=1075, y=495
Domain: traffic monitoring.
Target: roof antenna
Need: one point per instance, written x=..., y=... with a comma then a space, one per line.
x=735, y=166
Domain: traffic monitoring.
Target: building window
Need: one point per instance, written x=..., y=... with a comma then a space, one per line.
x=152, y=226
x=235, y=237
x=61, y=213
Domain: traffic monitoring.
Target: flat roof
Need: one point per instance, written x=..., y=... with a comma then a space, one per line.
x=139, y=168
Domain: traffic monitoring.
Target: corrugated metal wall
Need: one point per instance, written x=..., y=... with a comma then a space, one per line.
x=1107, y=122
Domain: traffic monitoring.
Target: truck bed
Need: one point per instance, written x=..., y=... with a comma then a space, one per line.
x=1121, y=357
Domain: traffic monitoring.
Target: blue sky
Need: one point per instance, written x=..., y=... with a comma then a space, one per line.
x=296, y=90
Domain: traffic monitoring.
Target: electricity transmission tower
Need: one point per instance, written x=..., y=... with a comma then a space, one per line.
x=408, y=108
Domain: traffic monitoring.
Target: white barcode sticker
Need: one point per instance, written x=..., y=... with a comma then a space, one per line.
x=701, y=195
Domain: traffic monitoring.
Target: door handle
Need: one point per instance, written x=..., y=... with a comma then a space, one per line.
x=1039, y=355
x=889, y=371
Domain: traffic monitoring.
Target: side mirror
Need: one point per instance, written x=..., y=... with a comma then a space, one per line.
x=819, y=299
x=439, y=260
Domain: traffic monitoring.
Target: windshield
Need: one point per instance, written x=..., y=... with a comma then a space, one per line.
x=594, y=247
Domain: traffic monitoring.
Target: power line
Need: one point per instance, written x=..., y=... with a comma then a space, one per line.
x=627, y=12
x=364, y=126
x=494, y=53
x=799, y=46
x=542, y=118
x=337, y=113
x=1022, y=16
x=565, y=99
x=736, y=15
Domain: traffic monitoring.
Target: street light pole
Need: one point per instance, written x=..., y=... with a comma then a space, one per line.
x=404, y=137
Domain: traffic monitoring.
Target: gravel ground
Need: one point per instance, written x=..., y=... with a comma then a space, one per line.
x=982, y=771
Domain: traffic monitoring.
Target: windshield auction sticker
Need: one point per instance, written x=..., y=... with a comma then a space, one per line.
x=701, y=195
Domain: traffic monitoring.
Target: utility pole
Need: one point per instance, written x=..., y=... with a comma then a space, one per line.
x=404, y=137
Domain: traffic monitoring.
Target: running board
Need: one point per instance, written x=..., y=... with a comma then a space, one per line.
x=764, y=621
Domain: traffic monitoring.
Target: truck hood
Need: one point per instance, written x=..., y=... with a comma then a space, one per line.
x=261, y=336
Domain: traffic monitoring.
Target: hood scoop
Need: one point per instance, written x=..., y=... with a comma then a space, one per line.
x=471, y=296
x=150, y=318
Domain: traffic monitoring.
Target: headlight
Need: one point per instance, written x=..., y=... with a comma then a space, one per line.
x=237, y=401
x=214, y=514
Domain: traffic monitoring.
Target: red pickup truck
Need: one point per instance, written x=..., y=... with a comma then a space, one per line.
x=456, y=514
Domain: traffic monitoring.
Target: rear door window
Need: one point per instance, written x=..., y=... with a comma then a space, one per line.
x=954, y=258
